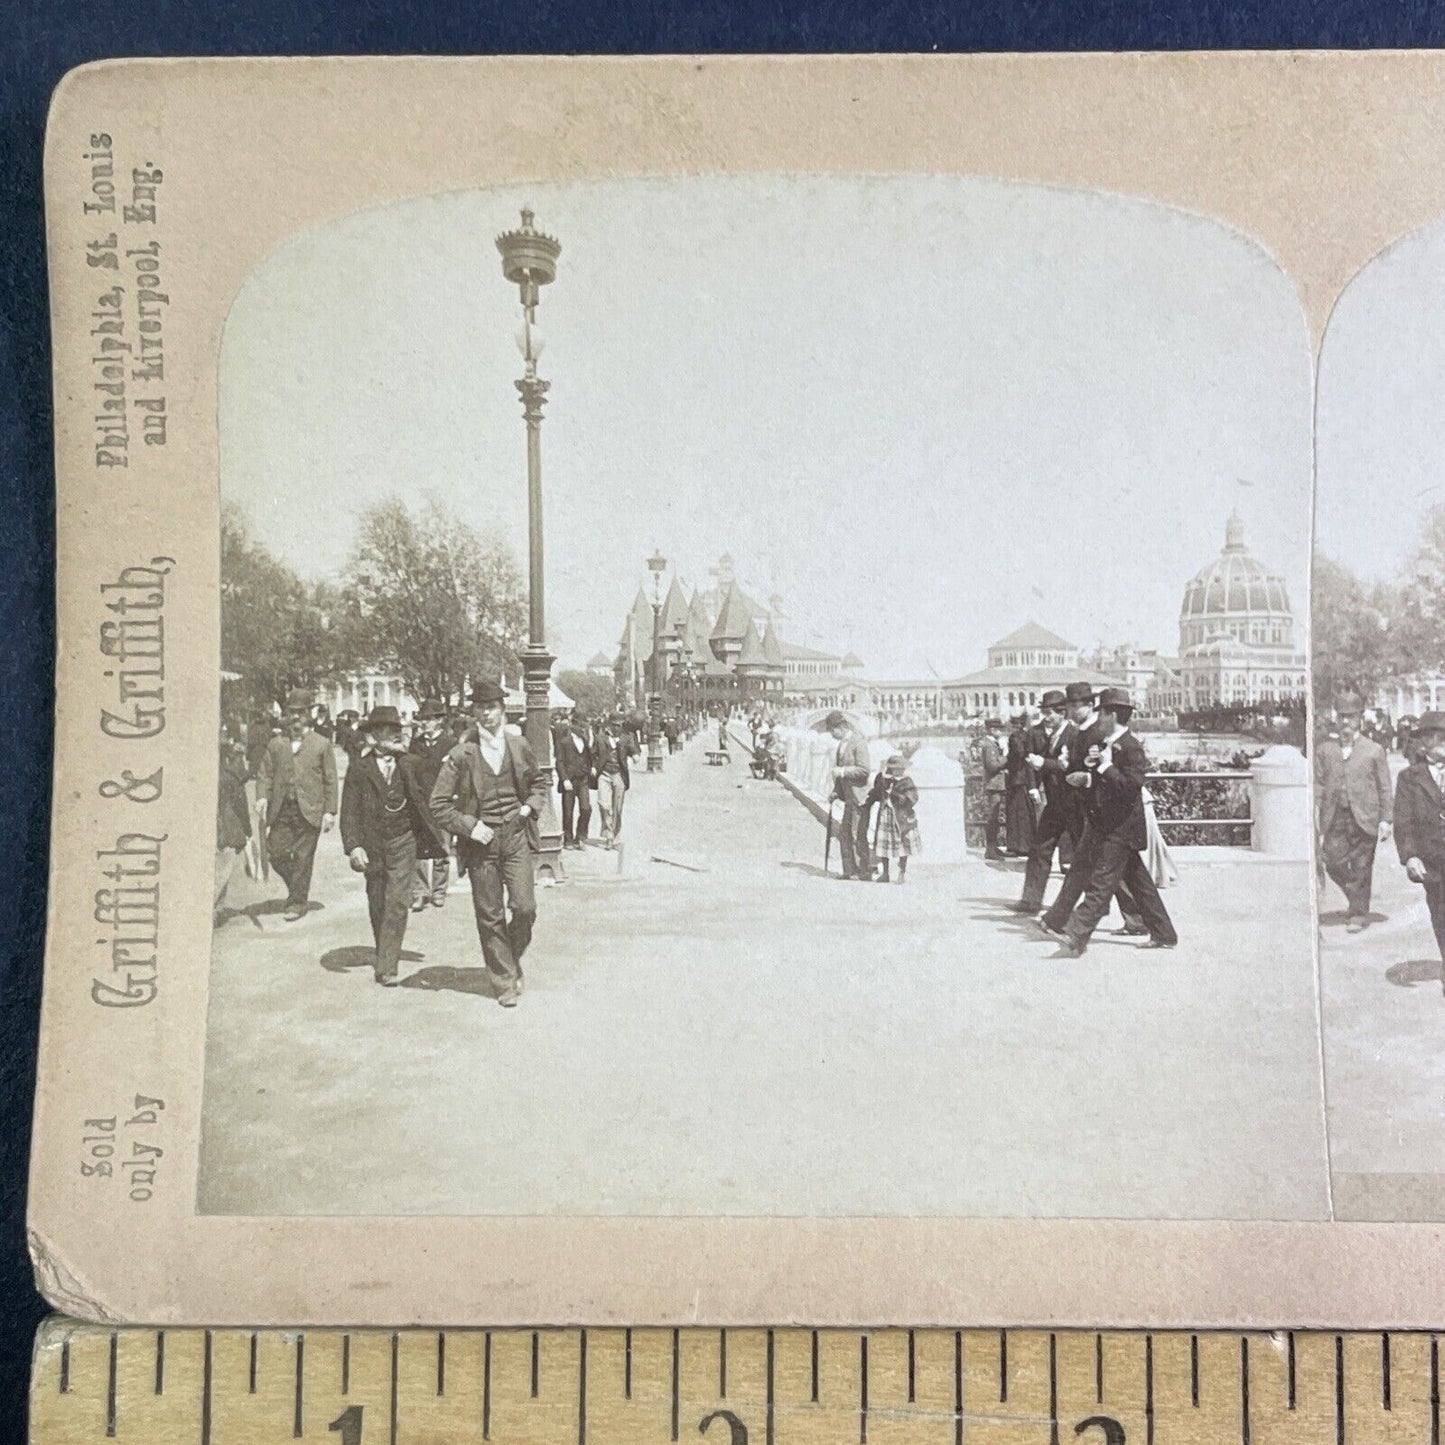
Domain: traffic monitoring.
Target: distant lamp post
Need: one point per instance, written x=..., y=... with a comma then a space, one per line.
x=657, y=565
x=529, y=261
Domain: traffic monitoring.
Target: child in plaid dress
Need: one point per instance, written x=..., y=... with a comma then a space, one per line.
x=895, y=833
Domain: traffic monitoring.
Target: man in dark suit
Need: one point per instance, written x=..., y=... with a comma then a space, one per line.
x=572, y=754
x=429, y=745
x=1111, y=777
x=1352, y=798
x=995, y=784
x=296, y=799
x=489, y=794
x=1420, y=821
x=1056, y=744
x=386, y=824
x=852, y=774
x=1089, y=731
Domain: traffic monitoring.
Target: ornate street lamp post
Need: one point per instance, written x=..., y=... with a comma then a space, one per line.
x=657, y=565
x=529, y=261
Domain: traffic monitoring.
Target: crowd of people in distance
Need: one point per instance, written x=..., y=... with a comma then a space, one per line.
x=412, y=801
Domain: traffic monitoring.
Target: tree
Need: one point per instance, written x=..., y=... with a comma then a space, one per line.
x=1352, y=648
x=272, y=633
x=429, y=598
x=596, y=696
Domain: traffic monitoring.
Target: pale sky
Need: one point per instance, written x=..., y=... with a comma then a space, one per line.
x=923, y=409
x=1381, y=418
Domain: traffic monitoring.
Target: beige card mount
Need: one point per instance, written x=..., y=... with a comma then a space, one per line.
x=535, y=536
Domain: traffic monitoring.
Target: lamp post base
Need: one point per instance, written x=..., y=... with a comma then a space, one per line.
x=537, y=727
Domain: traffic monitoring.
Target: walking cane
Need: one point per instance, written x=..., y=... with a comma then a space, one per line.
x=828, y=843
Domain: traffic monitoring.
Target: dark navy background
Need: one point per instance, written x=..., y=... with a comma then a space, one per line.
x=43, y=40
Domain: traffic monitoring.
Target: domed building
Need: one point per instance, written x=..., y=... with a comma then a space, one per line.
x=1237, y=637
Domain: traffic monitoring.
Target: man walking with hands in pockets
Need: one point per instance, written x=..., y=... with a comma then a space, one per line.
x=489, y=795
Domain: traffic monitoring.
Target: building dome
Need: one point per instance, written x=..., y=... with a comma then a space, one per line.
x=1234, y=584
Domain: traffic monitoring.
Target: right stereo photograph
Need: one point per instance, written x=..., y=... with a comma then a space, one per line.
x=1378, y=653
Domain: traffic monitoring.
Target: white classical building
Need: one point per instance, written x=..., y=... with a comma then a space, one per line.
x=1238, y=642
x=1021, y=668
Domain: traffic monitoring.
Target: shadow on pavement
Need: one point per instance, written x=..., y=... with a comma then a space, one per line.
x=358, y=955
x=455, y=980
x=1340, y=917
x=812, y=870
x=1414, y=970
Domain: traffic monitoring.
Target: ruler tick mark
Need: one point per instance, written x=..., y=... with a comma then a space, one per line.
x=676, y=1365
x=346, y=1364
x=1098, y=1369
x=251, y=1378
x=1339, y=1390
x=65, y=1368
x=110, y=1387
x=487, y=1386
x=296, y=1429
x=582, y=1388
x=863, y=1390
x=722, y=1364
x=1244, y=1390
x=1434, y=1391
x=912, y=1370
x=769, y=1416
x=441, y=1362
x=815, y=1367
x=1002, y=1367
x=536, y=1364
x=1194, y=1370
x=627, y=1365
x=160, y=1362
x=1149, y=1389
x=206, y=1390
x=1289, y=1371
x=1053, y=1389
x=958, y=1387
x=395, y=1352
x=1385, y=1369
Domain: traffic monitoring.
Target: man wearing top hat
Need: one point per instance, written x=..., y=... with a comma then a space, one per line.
x=386, y=825
x=429, y=745
x=572, y=755
x=1111, y=777
x=296, y=799
x=489, y=794
x=1420, y=821
x=1056, y=754
x=1354, y=808
x=1089, y=731
x=852, y=774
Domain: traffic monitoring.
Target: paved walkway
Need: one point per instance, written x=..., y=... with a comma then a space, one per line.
x=1384, y=1012
x=757, y=1038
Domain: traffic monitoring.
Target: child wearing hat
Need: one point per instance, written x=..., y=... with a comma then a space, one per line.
x=895, y=833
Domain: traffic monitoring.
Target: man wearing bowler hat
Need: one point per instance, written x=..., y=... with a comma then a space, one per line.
x=489, y=794
x=429, y=745
x=1354, y=806
x=1058, y=754
x=1420, y=821
x=386, y=824
x=1111, y=777
x=1089, y=731
x=296, y=799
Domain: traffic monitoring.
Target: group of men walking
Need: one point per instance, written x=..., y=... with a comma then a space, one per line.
x=1357, y=811
x=1091, y=770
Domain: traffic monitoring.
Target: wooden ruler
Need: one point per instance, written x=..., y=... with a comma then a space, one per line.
x=730, y=1387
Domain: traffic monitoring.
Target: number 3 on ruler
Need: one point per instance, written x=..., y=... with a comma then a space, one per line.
x=349, y=1423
